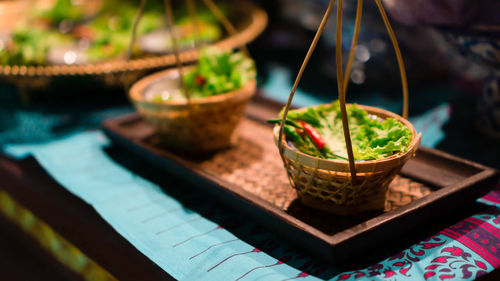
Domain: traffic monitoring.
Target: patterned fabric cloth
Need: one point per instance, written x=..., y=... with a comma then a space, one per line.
x=464, y=251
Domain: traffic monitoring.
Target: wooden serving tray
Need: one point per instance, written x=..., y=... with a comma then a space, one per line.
x=251, y=179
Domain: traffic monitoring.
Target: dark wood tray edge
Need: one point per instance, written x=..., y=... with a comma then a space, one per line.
x=425, y=208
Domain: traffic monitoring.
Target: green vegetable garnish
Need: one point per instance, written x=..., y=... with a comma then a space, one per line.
x=62, y=10
x=219, y=72
x=107, y=34
x=371, y=137
x=110, y=32
x=208, y=32
x=30, y=45
x=288, y=122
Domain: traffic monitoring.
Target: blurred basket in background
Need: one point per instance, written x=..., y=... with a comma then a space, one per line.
x=199, y=126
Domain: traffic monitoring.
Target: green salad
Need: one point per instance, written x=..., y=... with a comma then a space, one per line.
x=30, y=46
x=217, y=72
x=318, y=131
x=103, y=36
x=208, y=28
x=61, y=10
x=208, y=32
x=109, y=34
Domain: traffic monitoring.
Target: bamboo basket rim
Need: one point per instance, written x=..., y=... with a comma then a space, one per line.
x=137, y=90
x=365, y=166
x=257, y=22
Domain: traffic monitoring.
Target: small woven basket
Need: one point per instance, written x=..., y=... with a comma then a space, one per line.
x=201, y=126
x=327, y=184
x=337, y=186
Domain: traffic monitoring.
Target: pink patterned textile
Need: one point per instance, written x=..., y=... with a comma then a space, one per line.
x=463, y=251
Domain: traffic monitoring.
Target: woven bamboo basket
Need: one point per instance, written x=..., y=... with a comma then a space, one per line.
x=192, y=125
x=338, y=186
x=201, y=126
x=328, y=185
x=252, y=21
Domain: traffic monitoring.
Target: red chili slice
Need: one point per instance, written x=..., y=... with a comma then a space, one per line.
x=318, y=140
x=199, y=80
x=84, y=32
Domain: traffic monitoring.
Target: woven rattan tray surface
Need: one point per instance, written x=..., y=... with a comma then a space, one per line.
x=251, y=178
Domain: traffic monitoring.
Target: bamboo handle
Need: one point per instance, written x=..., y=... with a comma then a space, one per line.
x=170, y=26
x=301, y=71
x=194, y=19
x=399, y=57
x=357, y=24
x=225, y=22
x=131, y=44
x=340, y=82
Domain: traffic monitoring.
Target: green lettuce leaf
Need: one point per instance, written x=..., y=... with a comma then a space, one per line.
x=372, y=138
x=219, y=72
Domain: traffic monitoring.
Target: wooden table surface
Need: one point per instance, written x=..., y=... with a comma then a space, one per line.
x=21, y=258
x=28, y=184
